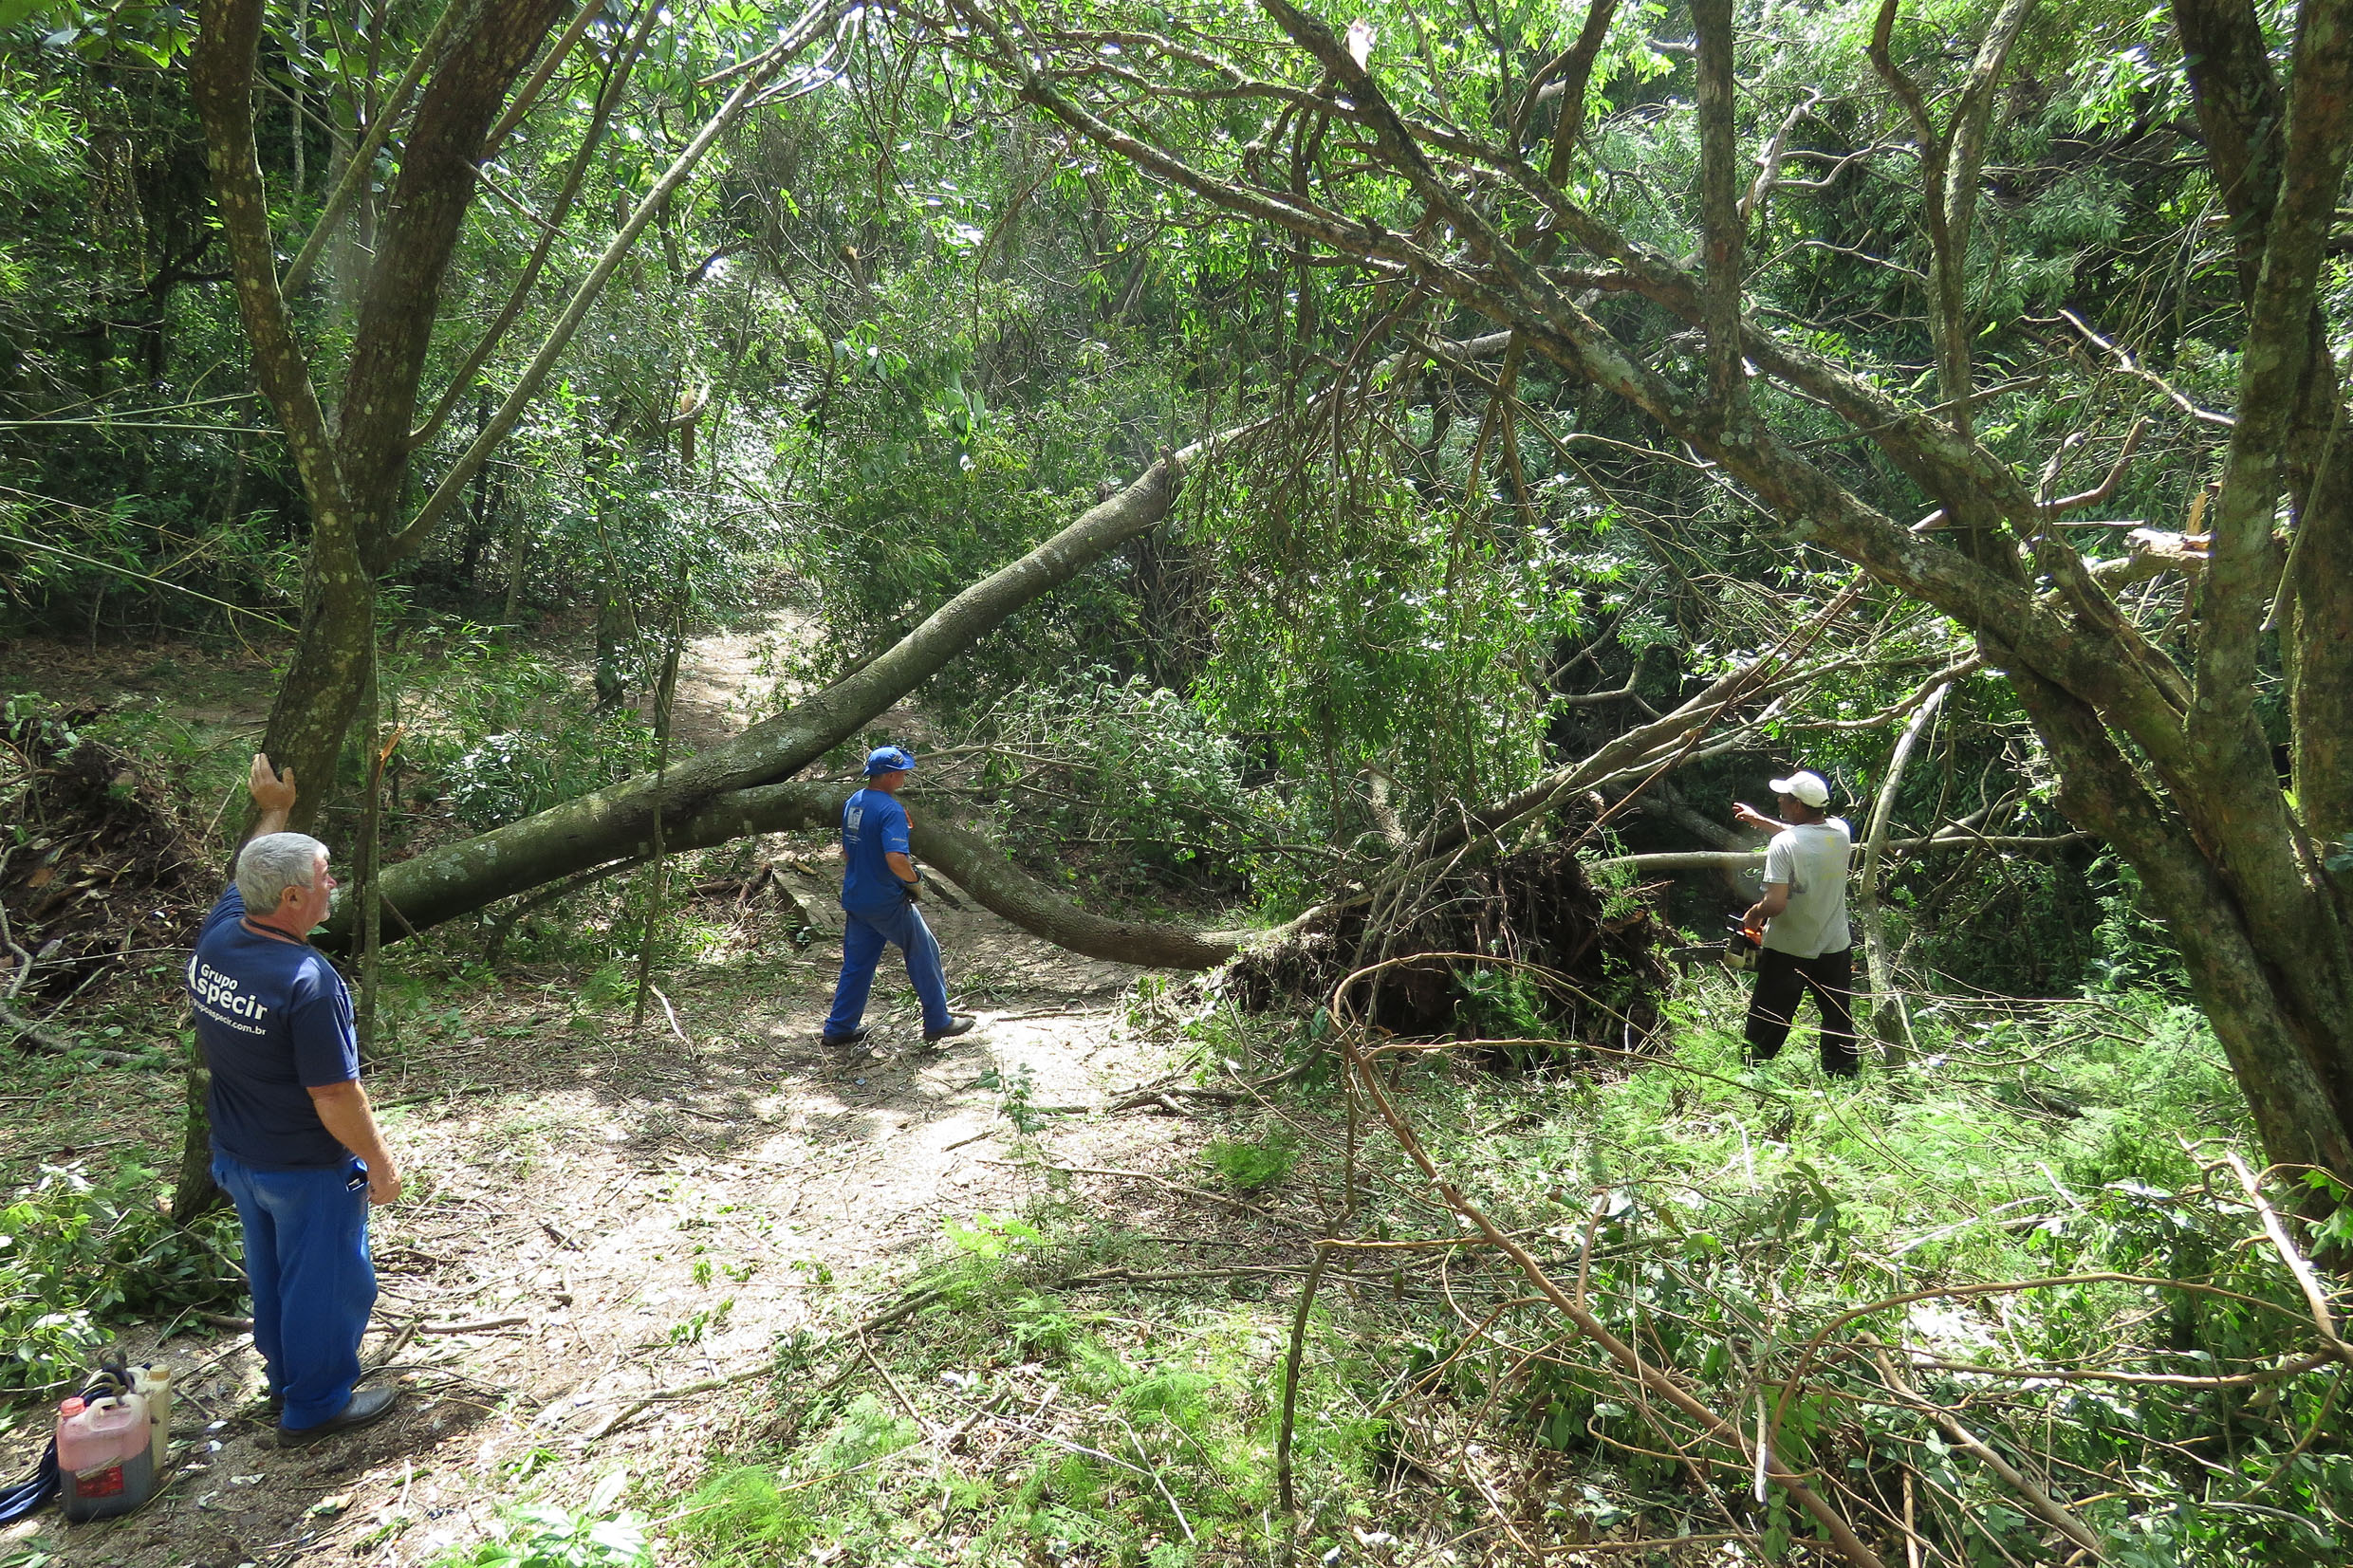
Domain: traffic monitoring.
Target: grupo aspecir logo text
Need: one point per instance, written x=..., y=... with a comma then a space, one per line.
x=221, y=998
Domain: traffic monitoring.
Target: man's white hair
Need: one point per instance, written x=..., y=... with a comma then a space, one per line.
x=273, y=863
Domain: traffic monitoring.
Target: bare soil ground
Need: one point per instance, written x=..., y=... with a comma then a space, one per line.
x=616, y=1216
x=596, y=1219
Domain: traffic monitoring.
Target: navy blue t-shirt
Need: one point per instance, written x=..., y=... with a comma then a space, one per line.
x=275, y=1022
x=873, y=824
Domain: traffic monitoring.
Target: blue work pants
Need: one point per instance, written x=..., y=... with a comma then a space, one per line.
x=314, y=1283
x=863, y=936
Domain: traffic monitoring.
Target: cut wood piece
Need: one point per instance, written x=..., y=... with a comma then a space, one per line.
x=818, y=909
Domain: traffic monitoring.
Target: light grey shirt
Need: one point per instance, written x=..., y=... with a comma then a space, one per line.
x=1811, y=858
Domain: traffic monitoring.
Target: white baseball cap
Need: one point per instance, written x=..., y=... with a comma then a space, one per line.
x=1808, y=787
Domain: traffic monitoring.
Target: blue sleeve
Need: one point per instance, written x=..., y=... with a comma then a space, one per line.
x=893, y=826
x=229, y=907
x=327, y=1046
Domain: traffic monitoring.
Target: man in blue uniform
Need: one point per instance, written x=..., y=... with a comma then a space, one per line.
x=294, y=1143
x=879, y=892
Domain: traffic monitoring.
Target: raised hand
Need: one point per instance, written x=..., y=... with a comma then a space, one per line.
x=270, y=789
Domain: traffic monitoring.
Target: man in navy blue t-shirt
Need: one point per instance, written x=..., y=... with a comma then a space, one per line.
x=879, y=892
x=294, y=1143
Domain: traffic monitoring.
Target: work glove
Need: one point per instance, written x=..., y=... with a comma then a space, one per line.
x=913, y=892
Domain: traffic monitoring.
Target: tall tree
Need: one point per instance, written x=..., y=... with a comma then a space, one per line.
x=1469, y=197
x=355, y=467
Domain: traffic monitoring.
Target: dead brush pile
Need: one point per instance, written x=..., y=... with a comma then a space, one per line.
x=1580, y=963
x=100, y=863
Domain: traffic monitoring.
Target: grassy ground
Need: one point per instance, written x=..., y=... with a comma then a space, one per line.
x=1090, y=1363
x=1074, y=1391
x=955, y=1311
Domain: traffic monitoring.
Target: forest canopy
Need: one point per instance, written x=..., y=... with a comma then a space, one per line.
x=1318, y=488
x=1561, y=372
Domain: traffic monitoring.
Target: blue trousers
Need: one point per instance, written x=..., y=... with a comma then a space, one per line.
x=863, y=936
x=314, y=1283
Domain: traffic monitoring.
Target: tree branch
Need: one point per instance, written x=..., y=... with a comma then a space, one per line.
x=608, y=98
x=818, y=19
x=360, y=170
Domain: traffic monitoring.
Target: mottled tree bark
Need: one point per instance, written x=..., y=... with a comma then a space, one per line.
x=351, y=476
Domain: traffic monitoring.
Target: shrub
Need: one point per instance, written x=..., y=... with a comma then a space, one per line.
x=1252, y=1165
x=78, y=1253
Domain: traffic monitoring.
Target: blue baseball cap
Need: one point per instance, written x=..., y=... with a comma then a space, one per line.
x=889, y=759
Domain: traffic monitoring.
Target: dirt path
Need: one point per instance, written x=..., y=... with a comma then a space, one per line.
x=595, y=1218
x=731, y=676
x=622, y=1217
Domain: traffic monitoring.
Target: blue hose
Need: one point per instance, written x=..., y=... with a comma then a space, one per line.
x=31, y=1492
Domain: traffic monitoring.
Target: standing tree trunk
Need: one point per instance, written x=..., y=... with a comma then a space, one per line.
x=354, y=468
x=1890, y=1018
x=2153, y=730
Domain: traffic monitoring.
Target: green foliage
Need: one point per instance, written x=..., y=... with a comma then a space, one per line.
x=1019, y=1089
x=1391, y=641
x=2134, y=949
x=744, y=1515
x=1721, y=1221
x=1158, y=1450
x=81, y=1251
x=543, y=1536
x=499, y=733
x=1252, y=1164
x=1500, y=1003
x=1125, y=778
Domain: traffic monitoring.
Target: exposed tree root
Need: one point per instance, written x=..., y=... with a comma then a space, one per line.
x=1534, y=905
x=108, y=868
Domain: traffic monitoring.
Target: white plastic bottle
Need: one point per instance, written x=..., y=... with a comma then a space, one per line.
x=155, y=1385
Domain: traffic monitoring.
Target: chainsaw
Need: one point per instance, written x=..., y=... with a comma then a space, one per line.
x=1736, y=953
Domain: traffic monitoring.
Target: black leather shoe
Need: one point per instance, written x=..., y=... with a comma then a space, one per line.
x=958, y=1024
x=363, y=1409
x=856, y=1036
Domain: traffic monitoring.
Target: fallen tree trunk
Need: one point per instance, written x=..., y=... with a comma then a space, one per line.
x=461, y=877
x=973, y=864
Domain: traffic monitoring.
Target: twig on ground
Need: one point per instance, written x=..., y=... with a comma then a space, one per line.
x=1291, y=1379
x=26, y=1029
x=480, y=1326
x=399, y=1342
x=686, y=1391
x=2049, y=1508
x=1237, y=1204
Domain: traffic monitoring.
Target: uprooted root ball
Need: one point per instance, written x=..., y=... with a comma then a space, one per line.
x=104, y=866
x=1576, y=963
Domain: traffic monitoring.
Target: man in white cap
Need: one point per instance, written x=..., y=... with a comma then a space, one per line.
x=1807, y=946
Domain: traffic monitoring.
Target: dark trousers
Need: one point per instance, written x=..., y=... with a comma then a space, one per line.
x=306, y=1254
x=1781, y=980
